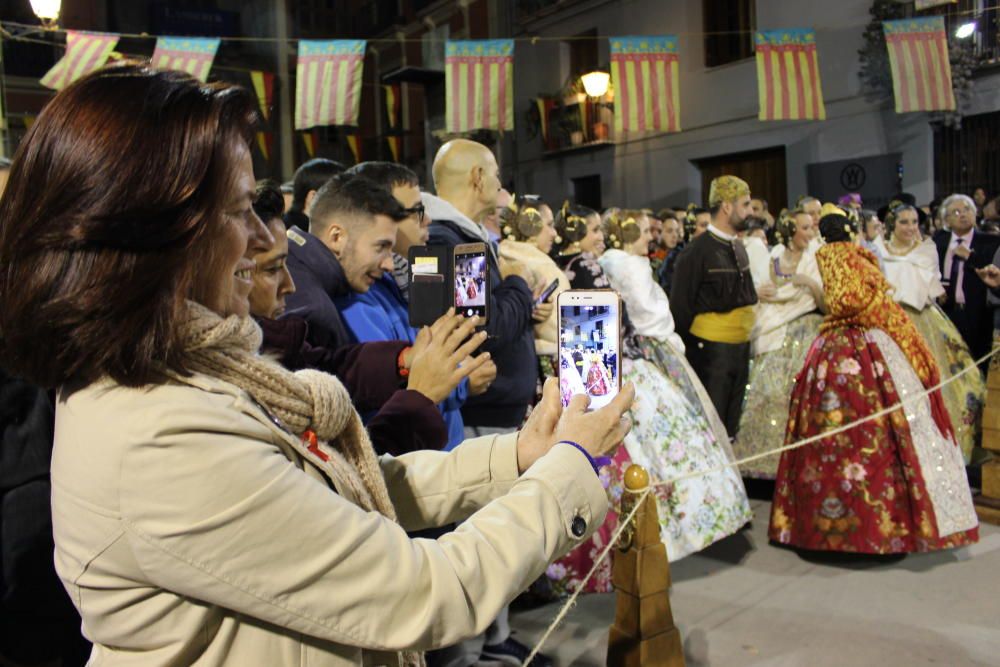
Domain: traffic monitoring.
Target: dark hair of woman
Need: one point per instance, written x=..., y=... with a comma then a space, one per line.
x=836, y=228
x=268, y=202
x=115, y=198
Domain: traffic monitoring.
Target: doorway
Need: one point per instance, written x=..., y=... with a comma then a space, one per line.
x=763, y=169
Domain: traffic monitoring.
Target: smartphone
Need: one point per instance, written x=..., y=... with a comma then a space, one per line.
x=471, y=280
x=590, y=344
x=544, y=296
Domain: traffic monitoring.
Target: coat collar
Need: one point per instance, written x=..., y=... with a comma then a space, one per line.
x=323, y=264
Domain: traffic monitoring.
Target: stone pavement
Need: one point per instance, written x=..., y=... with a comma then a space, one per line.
x=743, y=602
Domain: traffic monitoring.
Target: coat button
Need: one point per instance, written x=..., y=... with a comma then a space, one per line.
x=579, y=526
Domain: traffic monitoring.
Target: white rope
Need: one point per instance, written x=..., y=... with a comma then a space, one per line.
x=795, y=445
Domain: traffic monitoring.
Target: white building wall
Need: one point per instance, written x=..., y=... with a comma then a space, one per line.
x=719, y=105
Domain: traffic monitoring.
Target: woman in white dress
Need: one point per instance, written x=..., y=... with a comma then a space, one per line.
x=676, y=430
x=787, y=320
x=911, y=267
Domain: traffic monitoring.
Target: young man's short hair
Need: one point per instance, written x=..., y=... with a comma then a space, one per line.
x=387, y=174
x=348, y=197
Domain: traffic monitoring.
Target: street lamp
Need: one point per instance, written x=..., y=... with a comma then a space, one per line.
x=596, y=83
x=965, y=30
x=47, y=11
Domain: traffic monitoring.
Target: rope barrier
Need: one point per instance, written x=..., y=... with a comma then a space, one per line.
x=623, y=524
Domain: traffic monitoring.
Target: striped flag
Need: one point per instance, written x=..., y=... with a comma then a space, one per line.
x=645, y=72
x=918, y=58
x=788, y=75
x=193, y=55
x=311, y=141
x=265, y=140
x=328, y=82
x=85, y=52
x=395, y=145
x=354, y=143
x=263, y=85
x=479, y=85
x=392, y=105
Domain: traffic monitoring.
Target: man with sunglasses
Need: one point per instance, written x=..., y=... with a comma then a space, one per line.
x=712, y=298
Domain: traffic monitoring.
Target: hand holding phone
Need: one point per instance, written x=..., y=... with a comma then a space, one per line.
x=547, y=292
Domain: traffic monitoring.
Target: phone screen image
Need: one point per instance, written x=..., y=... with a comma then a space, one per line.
x=470, y=284
x=588, y=353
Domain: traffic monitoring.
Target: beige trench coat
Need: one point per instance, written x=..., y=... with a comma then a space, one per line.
x=190, y=530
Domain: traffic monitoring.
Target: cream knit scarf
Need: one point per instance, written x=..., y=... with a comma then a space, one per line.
x=227, y=349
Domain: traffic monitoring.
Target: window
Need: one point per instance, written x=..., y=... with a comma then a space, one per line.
x=587, y=191
x=583, y=53
x=729, y=26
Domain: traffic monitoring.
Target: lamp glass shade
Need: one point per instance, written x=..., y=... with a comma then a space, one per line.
x=47, y=10
x=596, y=83
x=965, y=30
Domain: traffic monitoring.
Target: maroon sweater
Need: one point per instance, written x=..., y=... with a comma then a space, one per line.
x=405, y=420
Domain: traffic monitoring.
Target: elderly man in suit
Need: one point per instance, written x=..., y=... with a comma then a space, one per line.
x=961, y=250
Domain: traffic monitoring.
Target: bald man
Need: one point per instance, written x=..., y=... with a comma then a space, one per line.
x=467, y=180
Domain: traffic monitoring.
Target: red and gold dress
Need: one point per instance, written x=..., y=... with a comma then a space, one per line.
x=894, y=484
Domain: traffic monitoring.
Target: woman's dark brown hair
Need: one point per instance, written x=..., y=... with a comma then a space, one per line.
x=114, y=198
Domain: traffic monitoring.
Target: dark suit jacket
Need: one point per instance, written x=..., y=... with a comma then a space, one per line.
x=976, y=325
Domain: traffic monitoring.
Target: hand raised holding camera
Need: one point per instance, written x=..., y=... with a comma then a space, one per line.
x=442, y=358
x=598, y=432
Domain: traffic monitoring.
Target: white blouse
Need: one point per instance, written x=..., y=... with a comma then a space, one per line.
x=916, y=276
x=647, y=303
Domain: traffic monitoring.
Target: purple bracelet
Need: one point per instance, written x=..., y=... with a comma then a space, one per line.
x=596, y=464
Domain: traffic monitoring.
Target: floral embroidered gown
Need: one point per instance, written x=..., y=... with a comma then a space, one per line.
x=915, y=277
x=672, y=434
x=895, y=484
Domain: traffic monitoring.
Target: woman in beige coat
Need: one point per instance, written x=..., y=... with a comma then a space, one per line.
x=210, y=507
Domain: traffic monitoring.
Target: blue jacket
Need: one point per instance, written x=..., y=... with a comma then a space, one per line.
x=381, y=314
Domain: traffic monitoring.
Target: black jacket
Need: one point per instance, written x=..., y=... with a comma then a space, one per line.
x=319, y=279
x=38, y=623
x=511, y=342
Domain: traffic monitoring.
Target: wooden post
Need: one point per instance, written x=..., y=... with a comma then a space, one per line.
x=988, y=502
x=643, y=632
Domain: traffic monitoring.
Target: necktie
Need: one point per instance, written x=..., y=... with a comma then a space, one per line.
x=956, y=273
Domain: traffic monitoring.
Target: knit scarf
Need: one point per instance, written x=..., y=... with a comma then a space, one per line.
x=306, y=400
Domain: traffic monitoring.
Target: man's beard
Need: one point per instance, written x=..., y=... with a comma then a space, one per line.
x=738, y=224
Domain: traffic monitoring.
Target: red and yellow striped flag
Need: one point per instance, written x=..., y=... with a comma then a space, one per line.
x=393, y=102
x=193, y=55
x=918, y=58
x=328, y=82
x=354, y=143
x=395, y=145
x=788, y=75
x=263, y=85
x=311, y=141
x=479, y=85
x=85, y=52
x=645, y=72
x=264, y=142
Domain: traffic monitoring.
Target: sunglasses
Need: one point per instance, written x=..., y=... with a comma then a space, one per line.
x=417, y=210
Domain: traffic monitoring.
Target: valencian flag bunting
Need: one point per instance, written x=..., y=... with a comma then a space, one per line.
x=479, y=85
x=392, y=110
x=187, y=54
x=918, y=58
x=645, y=72
x=788, y=75
x=328, y=82
x=85, y=53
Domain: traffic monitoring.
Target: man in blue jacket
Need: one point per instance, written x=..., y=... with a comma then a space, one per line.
x=382, y=312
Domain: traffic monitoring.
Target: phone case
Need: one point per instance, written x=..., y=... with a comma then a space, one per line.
x=430, y=284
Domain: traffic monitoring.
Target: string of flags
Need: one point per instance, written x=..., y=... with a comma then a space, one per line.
x=645, y=73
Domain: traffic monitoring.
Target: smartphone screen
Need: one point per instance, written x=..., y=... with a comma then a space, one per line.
x=589, y=360
x=470, y=284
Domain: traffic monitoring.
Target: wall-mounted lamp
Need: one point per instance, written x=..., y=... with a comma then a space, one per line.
x=47, y=11
x=596, y=83
x=965, y=30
